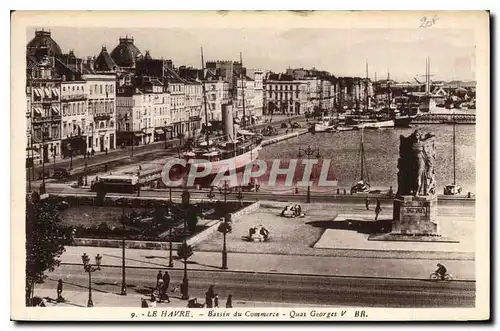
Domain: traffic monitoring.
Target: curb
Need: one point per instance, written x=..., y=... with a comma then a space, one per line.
x=275, y=273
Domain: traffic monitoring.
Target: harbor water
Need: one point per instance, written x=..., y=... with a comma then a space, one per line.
x=381, y=154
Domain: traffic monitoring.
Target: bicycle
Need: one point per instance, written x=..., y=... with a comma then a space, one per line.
x=436, y=277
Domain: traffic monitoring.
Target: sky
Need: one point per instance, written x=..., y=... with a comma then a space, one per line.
x=342, y=52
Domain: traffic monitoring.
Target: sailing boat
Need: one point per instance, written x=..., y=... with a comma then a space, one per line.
x=453, y=189
x=231, y=151
x=384, y=121
x=363, y=185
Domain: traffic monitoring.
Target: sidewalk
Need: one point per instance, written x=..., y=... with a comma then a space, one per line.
x=113, y=155
x=275, y=263
x=104, y=299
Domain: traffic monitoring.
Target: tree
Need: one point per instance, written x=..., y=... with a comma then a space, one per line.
x=45, y=240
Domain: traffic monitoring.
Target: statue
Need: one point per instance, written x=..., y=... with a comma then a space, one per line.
x=416, y=165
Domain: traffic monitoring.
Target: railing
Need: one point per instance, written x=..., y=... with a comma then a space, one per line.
x=53, y=118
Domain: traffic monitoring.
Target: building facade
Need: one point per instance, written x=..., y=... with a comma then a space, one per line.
x=287, y=96
x=43, y=89
x=101, y=112
x=74, y=117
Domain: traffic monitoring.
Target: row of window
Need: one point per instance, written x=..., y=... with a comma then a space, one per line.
x=99, y=107
x=283, y=87
x=281, y=95
x=98, y=89
x=76, y=108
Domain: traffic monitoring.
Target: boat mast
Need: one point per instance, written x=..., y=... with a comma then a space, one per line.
x=454, y=165
x=242, y=90
x=362, y=155
x=204, y=99
x=388, y=103
x=366, y=88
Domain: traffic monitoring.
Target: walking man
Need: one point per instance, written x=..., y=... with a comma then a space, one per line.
x=378, y=209
x=367, y=203
x=208, y=300
x=166, y=280
x=216, y=301
x=158, y=277
x=59, y=290
x=229, y=302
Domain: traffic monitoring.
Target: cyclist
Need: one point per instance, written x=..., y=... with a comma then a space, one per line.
x=441, y=271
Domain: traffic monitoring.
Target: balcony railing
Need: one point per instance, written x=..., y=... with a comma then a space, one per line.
x=54, y=118
x=73, y=97
x=102, y=117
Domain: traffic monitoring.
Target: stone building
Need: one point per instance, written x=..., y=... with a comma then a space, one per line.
x=286, y=95
x=101, y=112
x=43, y=88
x=143, y=113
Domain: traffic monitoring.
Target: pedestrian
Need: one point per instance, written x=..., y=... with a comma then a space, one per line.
x=208, y=300
x=367, y=203
x=106, y=167
x=378, y=209
x=144, y=303
x=164, y=294
x=216, y=301
x=160, y=289
x=166, y=280
x=391, y=192
x=158, y=277
x=59, y=290
x=344, y=192
x=211, y=291
x=229, y=302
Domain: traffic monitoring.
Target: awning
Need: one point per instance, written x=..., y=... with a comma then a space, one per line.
x=37, y=92
x=236, y=120
x=37, y=111
x=168, y=128
x=254, y=117
x=56, y=92
x=47, y=92
x=159, y=131
x=138, y=134
x=55, y=110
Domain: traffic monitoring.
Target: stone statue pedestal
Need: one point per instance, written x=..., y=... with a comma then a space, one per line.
x=415, y=219
x=415, y=215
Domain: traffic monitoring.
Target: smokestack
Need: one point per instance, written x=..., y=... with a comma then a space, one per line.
x=227, y=120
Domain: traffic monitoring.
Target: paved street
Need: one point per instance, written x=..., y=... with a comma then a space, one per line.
x=363, y=264
x=329, y=197
x=274, y=288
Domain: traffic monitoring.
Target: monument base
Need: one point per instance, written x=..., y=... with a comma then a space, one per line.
x=410, y=238
x=414, y=220
x=415, y=216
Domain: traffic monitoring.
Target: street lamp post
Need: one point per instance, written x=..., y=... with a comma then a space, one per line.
x=85, y=172
x=42, y=188
x=240, y=195
x=309, y=152
x=70, y=157
x=169, y=217
x=224, y=227
x=165, y=133
x=124, y=283
x=53, y=150
x=225, y=189
x=89, y=268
